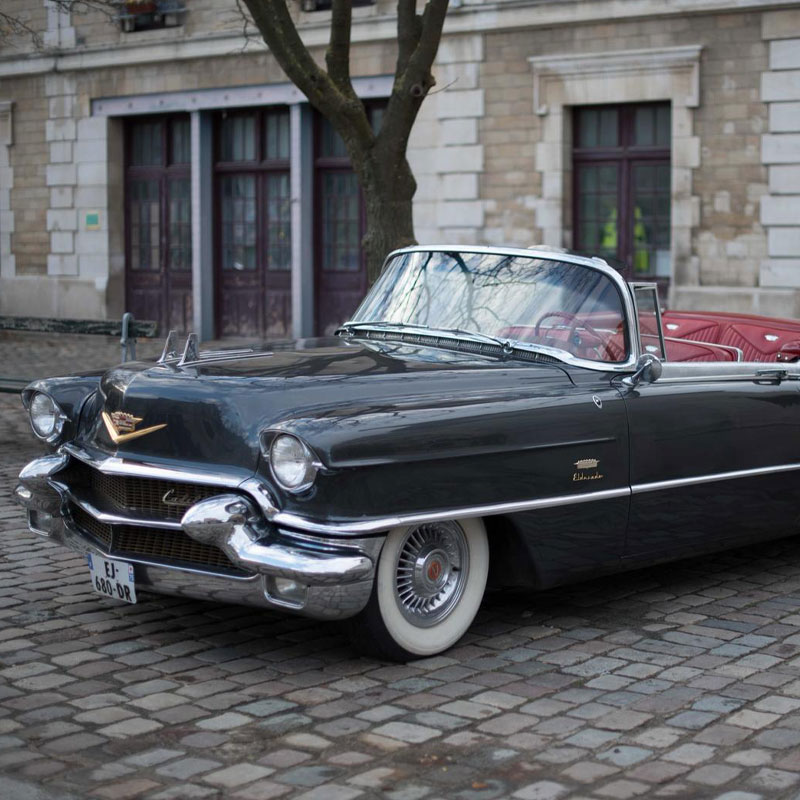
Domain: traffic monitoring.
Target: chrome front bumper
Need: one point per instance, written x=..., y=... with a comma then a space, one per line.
x=310, y=575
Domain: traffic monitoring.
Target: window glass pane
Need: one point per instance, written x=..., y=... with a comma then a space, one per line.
x=597, y=223
x=341, y=223
x=609, y=127
x=331, y=144
x=238, y=138
x=181, y=144
x=644, y=126
x=651, y=219
x=663, y=126
x=146, y=144
x=238, y=222
x=587, y=127
x=279, y=222
x=144, y=224
x=276, y=135
x=180, y=225
x=649, y=328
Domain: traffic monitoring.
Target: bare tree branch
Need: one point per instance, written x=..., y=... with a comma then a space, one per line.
x=409, y=28
x=338, y=56
x=413, y=79
x=343, y=108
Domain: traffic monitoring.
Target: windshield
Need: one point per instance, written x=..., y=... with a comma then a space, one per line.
x=571, y=307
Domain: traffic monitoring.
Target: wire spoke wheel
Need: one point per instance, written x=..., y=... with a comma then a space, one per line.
x=432, y=569
x=428, y=587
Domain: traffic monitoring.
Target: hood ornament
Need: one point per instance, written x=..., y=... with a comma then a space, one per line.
x=121, y=426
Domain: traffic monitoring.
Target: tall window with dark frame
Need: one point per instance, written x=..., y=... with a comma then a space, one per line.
x=253, y=208
x=340, y=224
x=621, y=163
x=158, y=230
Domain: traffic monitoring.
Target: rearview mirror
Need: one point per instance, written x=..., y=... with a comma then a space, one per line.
x=648, y=370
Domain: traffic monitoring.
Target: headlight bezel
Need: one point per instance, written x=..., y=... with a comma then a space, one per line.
x=271, y=442
x=59, y=418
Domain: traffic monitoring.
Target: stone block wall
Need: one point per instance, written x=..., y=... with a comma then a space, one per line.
x=780, y=149
x=445, y=151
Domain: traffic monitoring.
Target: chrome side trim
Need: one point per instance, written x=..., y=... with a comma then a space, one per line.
x=657, y=486
x=744, y=378
x=382, y=524
x=385, y=523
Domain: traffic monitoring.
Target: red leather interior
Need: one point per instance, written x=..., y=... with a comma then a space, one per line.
x=759, y=338
x=599, y=336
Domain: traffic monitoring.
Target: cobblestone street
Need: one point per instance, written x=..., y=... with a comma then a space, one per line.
x=677, y=681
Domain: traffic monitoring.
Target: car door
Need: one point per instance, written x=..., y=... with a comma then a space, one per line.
x=714, y=458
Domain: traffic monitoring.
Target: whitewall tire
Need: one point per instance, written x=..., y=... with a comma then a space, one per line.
x=429, y=585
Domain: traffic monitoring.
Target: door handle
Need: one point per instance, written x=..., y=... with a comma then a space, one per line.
x=776, y=375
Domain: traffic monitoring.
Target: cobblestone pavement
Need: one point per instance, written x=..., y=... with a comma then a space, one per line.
x=678, y=681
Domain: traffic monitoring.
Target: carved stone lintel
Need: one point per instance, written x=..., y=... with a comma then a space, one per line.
x=564, y=69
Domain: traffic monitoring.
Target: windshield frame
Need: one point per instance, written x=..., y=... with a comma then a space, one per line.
x=594, y=263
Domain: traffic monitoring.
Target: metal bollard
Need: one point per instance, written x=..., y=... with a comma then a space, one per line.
x=127, y=343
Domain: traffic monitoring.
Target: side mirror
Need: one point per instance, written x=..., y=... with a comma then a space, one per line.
x=648, y=370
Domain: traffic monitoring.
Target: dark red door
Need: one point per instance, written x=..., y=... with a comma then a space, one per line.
x=158, y=230
x=253, y=277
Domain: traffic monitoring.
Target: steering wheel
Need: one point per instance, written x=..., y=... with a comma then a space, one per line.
x=599, y=341
x=560, y=314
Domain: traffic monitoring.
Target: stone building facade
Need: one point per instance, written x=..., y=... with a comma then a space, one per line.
x=173, y=171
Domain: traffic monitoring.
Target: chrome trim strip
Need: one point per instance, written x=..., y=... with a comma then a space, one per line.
x=747, y=377
x=118, y=519
x=382, y=524
x=113, y=465
x=657, y=486
x=737, y=351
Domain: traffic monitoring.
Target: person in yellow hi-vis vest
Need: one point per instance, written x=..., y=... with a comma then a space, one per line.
x=608, y=241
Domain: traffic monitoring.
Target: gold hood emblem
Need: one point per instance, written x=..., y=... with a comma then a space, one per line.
x=121, y=426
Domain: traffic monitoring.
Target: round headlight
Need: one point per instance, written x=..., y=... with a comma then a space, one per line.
x=292, y=463
x=46, y=416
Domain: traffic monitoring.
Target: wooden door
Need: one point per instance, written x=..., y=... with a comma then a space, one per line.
x=253, y=208
x=158, y=230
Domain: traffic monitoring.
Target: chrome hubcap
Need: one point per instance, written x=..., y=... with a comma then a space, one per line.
x=431, y=572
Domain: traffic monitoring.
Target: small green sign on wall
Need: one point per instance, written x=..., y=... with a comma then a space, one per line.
x=92, y=220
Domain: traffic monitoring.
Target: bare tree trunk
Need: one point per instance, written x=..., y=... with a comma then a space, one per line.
x=388, y=195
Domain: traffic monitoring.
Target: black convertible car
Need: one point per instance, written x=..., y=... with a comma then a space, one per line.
x=521, y=417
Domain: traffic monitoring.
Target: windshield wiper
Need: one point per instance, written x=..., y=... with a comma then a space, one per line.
x=508, y=345
x=476, y=336
x=383, y=323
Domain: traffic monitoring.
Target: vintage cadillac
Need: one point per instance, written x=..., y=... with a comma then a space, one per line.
x=489, y=416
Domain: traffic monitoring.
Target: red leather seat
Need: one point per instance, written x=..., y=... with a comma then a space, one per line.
x=759, y=338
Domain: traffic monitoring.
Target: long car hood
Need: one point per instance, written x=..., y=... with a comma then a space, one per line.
x=342, y=395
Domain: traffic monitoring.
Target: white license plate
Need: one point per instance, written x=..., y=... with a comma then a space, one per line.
x=112, y=578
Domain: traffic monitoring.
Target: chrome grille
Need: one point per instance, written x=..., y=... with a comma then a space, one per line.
x=138, y=495
x=155, y=544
